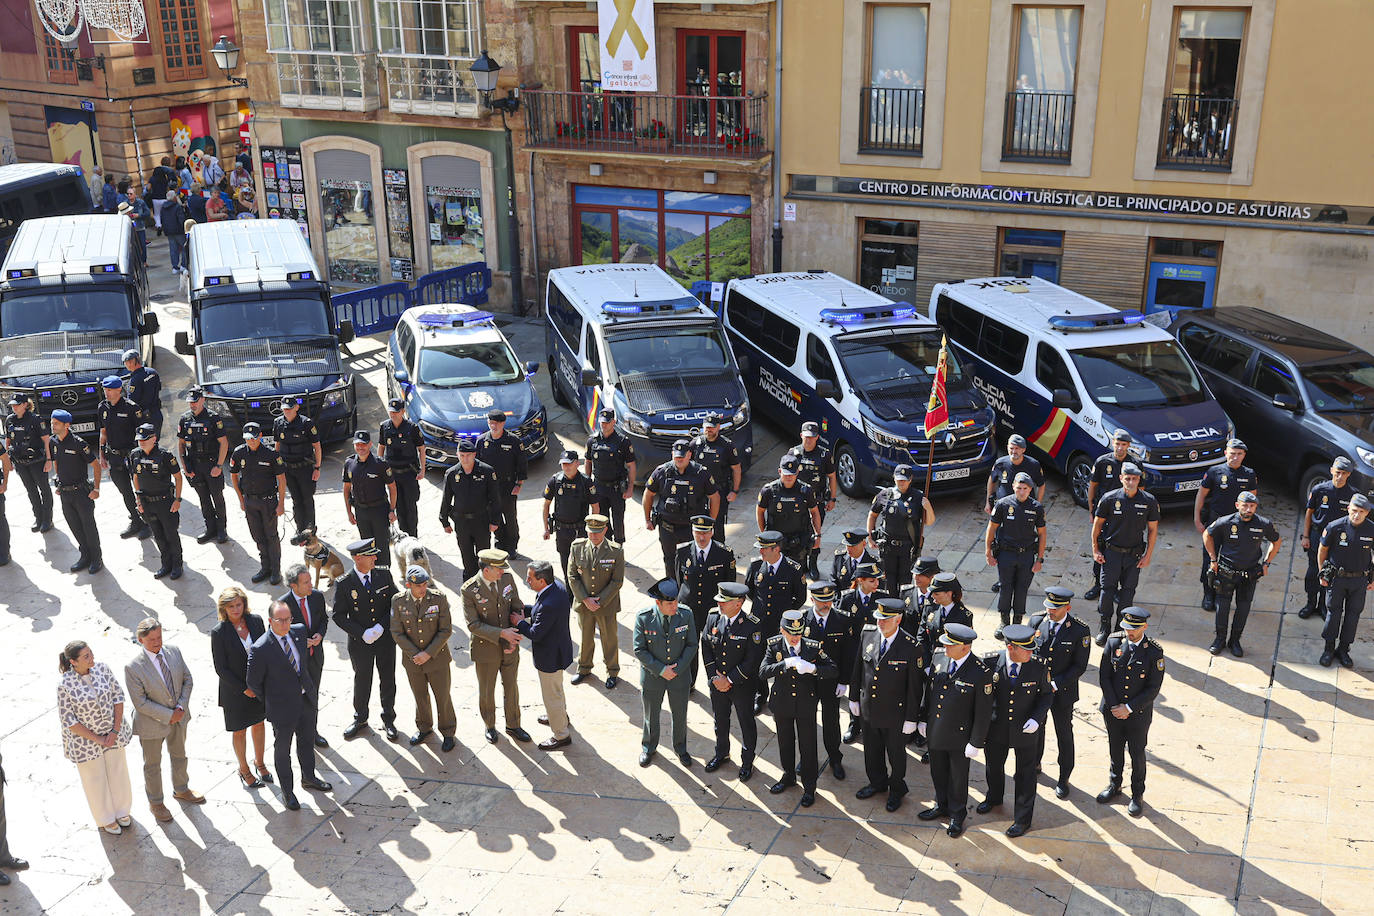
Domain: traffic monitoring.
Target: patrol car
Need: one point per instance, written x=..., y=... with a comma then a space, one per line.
x=627, y=336
x=451, y=365
x=1066, y=371
x=825, y=349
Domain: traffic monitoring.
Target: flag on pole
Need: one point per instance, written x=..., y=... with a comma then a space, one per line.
x=937, y=411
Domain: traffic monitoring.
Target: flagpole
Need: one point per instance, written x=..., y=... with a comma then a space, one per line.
x=930, y=464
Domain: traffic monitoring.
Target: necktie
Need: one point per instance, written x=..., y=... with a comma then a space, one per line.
x=724, y=627
x=290, y=656
x=367, y=583
x=1015, y=669
x=166, y=674
x=1054, y=631
x=305, y=613
x=953, y=667
x=820, y=621
x=702, y=555
x=794, y=651
x=884, y=649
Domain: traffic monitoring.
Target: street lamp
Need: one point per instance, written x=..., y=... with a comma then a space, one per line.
x=226, y=55
x=484, y=72
x=69, y=47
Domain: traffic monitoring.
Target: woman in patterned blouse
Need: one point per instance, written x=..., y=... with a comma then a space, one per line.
x=90, y=703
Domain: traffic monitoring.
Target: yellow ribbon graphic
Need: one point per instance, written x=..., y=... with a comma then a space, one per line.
x=625, y=24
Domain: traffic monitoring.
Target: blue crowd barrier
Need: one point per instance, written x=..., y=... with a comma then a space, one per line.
x=375, y=309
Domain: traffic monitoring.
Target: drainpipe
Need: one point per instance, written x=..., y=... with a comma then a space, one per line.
x=777, y=136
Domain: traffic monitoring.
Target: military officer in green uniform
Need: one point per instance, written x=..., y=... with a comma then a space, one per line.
x=802, y=675
x=421, y=625
x=596, y=571
x=489, y=598
x=665, y=642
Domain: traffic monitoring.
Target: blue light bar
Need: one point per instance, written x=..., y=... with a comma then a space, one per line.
x=104, y=268
x=898, y=311
x=687, y=304
x=452, y=320
x=301, y=275
x=1100, y=321
x=217, y=281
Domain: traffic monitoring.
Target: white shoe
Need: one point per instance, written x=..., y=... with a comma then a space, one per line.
x=113, y=829
x=124, y=821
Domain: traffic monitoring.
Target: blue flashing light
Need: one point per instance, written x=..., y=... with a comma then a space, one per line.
x=104, y=268
x=898, y=311
x=1100, y=321
x=90, y=389
x=45, y=394
x=301, y=275
x=452, y=320
x=255, y=403
x=687, y=304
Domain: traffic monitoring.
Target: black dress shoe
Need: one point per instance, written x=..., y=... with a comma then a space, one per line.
x=758, y=706
x=1109, y=793
x=35, y=526
x=290, y=802
x=1327, y=657
x=746, y=771
x=996, y=587
x=808, y=799
x=893, y=802
x=354, y=730
x=1209, y=604
x=1216, y=646
x=1306, y=612
x=490, y=735
x=133, y=530
x=14, y=864
x=320, y=742
x=259, y=576
x=1016, y=830
x=519, y=734
x=955, y=828
x=1061, y=789
x=1101, y=638
x=714, y=763
x=685, y=759
x=4, y=879
x=177, y=572
x=419, y=737
x=275, y=578
x=80, y=564
x=221, y=537
x=612, y=682
x=645, y=758
x=95, y=567
x=161, y=571
x=1093, y=593
x=207, y=537
x=997, y=633
x=851, y=734
x=447, y=744
x=1136, y=807
x=869, y=791
x=45, y=527
x=391, y=733
x=1346, y=660
x=782, y=785
x=837, y=769
x=932, y=814
x=987, y=805
x=1236, y=650
x=319, y=785
x=144, y=533
x=580, y=678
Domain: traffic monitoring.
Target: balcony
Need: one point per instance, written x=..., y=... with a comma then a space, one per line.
x=1037, y=127
x=1196, y=132
x=430, y=86
x=891, y=120
x=709, y=127
x=334, y=82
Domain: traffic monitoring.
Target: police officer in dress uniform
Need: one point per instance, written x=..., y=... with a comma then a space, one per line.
x=1015, y=544
x=719, y=456
x=369, y=493
x=1062, y=642
x=895, y=521
x=1125, y=526
x=157, y=485
x=362, y=609
x=596, y=573
x=848, y=558
x=27, y=438
x=1131, y=672
x=611, y=466
x=817, y=470
x=832, y=630
x=917, y=597
x=886, y=687
x=118, y=418
x=1326, y=502
x=401, y=445
x=1346, y=556
x=677, y=490
x=788, y=506
x=946, y=606
x=1234, y=544
x=489, y=599
x=803, y=675
x=421, y=624
x=1021, y=698
x=731, y=651
x=664, y=642
x=203, y=447
x=71, y=456
x=505, y=453
x=775, y=584
x=298, y=442
x=860, y=603
x=702, y=564
x=1106, y=473
x=259, y=479
x=470, y=505
x=145, y=389
x=957, y=713
x=569, y=497
x=1221, y=486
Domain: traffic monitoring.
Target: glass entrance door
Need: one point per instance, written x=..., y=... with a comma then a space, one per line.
x=711, y=71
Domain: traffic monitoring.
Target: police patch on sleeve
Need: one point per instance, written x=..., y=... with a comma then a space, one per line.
x=1160, y=664
x=1086, y=640
x=756, y=637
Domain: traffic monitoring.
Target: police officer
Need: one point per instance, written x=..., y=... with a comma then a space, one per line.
x=203, y=446
x=718, y=455
x=886, y=687
x=27, y=439
x=664, y=642
x=369, y=494
x=859, y=603
x=832, y=630
x=1105, y=474
x=702, y=564
x=1326, y=502
x=259, y=479
x=677, y=490
x=362, y=609
x=787, y=505
x=1234, y=543
x=1021, y=698
x=6, y=471
x=1125, y=526
x=505, y=453
x=803, y=675
x=421, y=624
x=118, y=418
x=1221, y=486
x=401, y=445
x=946, y=606
x=71, y=456
x=569, y=497
x=1347, y=573
x=1062, y=642
x=298, y=442
x=775, y=584
x=611, y=466
x=470, y=505
x=955, y=720
x=895, y=521
x=918, y=598
x=731, y=651
x=596, y=573
x=816, y=470
x=145, y=388
x=1131, y=672
x=1002, y=477
x=847, y=558
x=157, y=484
x=1015, y=544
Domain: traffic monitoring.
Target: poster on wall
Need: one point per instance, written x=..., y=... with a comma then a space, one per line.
x=193, y=137
x=73, y=139
x=629, y=58
x=456, y=234
x=284, y=186
x=350, y=231
x=398, y=223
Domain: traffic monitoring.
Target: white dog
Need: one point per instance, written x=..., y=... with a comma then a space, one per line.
x=408, y=551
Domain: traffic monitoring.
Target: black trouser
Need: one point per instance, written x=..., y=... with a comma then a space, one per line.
x=1209, y=590
x=1244, y=592
x=301, y=486
x=669, y=536
x=381, y=655
x=949, y=773
x=564, y=533
x=303, y=731
x=699, y=617
x=830, y=723
x=1023, y=779
x=210, y=491
x=1133, y=732
x=1061, y=711
x=798, y=731
x=740, y=698
x=40, y=492
x=1120, y=575
x=374, y=522
x=896, y=559
x=124, y=483
x=261, y=512
x=474, y=534
x=813, y=553
x=1014, y=572
x=79, y=511
x=1316, y=595
x=1344, y=602
x=508, y=532
x=166, y=525
x=611, y=499
x=885, y=759
x=721, y=519
x=796, y=545
x=4, y=531
x=408, y=499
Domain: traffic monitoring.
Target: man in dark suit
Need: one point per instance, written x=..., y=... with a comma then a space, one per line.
x=885, y=690
x=362, y=609
x=702, y=564
x=831, y=628
x=547, y=630
x=958, y=709
x=849, y=557
x=278, y=671
x=802, y=673
x=307, y=609
x=1021, y=697
x=731, y=649
x=1131, y=672
x=1062, y=641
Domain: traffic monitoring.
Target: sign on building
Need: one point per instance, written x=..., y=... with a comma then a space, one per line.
x=629, y=58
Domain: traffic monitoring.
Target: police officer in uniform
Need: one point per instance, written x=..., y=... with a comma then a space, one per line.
x=677, y=490
x=1015, y=544
x=596, y=573
x=421, y=624
x=1021, y=698
x=918, y=598
x=157, y=485
x=1106, y=473
x=702, y=564
x=145, y=389
x=1234, y=543
x=775, y=584
x=298, y=442
x=847, y=559
x=1002, y=477
x=718, y=455
x=1062, y=641
x=787, y=505
x=832, y=630
x=895, y=521
x=886, y=687
x=664, y=642
x=27, y=439
x=6, y=471
x=369, y=493
x=362, y=609
x=817, y=471
x=71, y=456
x=731, y=651
x=470, y=505
x=803, y=675
x=118, y=418
x=946, y=606
x=1347, y=573
x=569, y=497
x=401, y=445
x=505, y=454
x=955, y=720
x=611, y=466
x=1125, y=526
x=860, y=603
x=203, y=446
x=1221, y=486
x=259, y=479
x=1131, y=672
x=1326, y=502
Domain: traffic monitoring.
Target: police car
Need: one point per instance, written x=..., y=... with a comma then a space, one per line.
x=1066, y=371
x=451, y=365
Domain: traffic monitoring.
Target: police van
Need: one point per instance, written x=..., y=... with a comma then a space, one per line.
x=627, y=336
x=825, y=349
x=1066, y=371
x=73, y=298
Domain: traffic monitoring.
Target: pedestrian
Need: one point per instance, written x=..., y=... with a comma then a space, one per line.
x=776, y=583
x=259, y=479
x=832, y=630
x=896, y=523
x=174, y=218
x=1105, y=473
x=731, y=652
x=847, y=558
x=1221, y=486
x=718, y=455
x=183, y=170
x=546, y=627
x=677, y=490
x=26, y=437
x=369, y=494
x=231, y=641
x=610, y=463
x=1326, y=502
x=401, y=445
x=505, y=454
x=127, y=210
x=109, y=195
x=90, y=706
x=160, y=683
x=489, y=599
x=145, y=388
x=362, y=609
x=117, y=419
x=1234, y=544
x=307, y=610
x=1131, y=672
x=157, y=486
x=957, y=712
x=297, y=439
x=1015, y=543
x=860, y=603
x=241, y=178
x=470, y=505
x=885, y=690
x=816, y=468
x=1125, y=527
x=1021, y=698
x=802, y=674
x=7, y=859
x=1346, y=559
x=211, y=172
x=160, y=181
x=1062, y=642
x=596, y=573
x=789, y=507
x=569, y=497
x=702, y=564
x=421, y=625
x=664, y=642
x=71, y=459
x=203, y=447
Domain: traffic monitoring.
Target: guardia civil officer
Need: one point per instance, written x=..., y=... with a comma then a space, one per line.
x=1062, y=641
x=860, y=603
x=1125, y=526
x=611, y=466
x=157, y=486
x=1326, y=502
x=118, y=418
x=1015, y=544
x=718, y=455
x=664, y=642
x=505, y=453
x=702, y=564
x=1221, y=486
x=27, y=439
x=886, y=687
x=677, y=490
x=816, y=470
x=955, y=720
x=569, y=497
x=259, y=479
x=847, y=558
x=895, y=521
x=1235, y=548
x=1346, y=556
x=788, y=506
x=1106, y=474
x=832, y=630
x=369, y=494
x=203, y=447
x=470, y=505
x=145, y=388
x=802, y=674
x=402, y=446
x=775, y=584
x=297, y=440
x=362, y=609
x=1131, y=672
x=71, y=456
x=1021, y=698
x=731, y=651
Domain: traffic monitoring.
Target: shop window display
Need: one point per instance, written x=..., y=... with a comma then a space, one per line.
x=350, y=232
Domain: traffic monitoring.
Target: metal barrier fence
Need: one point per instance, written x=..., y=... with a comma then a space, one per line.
x=375, y=309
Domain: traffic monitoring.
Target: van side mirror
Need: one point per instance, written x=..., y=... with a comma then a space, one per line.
x=826, y=389
x=401, y=376
x=1065, y=399
x=345, y=331
x=183, y=344
x=148, y=324
x=1286, y=402
x=531, y=368
x=590, y=377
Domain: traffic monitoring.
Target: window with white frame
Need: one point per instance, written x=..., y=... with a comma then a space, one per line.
x=319, y=48
x=426, y=47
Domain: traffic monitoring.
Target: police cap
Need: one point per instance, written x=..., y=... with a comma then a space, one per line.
x=1358, y=501
x=1057, y=596
x=731, y=591
x=145, y=432
x=467, y=447
x=395, y=405
x=811, y=428
x=367, y=547
x=606, y=414
x=681, y=448
x=902, y=472
x=62, y=416
x=889, y=607
x=1025, y=478
x=1018, y=634
x=132, y=354
x=1237, y=443
x=855, y=536
x=289, y=404
x=957, y=634
x=362, y=435
x=1133, y=618
x=867, y=571
x=195, y=394
x=789, y=465
x=822, y=590
x=944, y=582
x=703, y=523
x=1122, y=436
x=1341, y=463
x=927, y=566
x=1130, y=469
x=1016, y=439
x=253, y=431
x=793, y=622
x=768, y=539
x=1247, y=497
x=112, y=381
x=496, y=415
x=712, y=419
x=569, y=456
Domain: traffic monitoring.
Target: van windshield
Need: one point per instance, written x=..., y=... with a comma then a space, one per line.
x=66, y=310
x=1341, y=386
x=667, y=351
x=893, y=372
x=1139, y=376
x=256, y=318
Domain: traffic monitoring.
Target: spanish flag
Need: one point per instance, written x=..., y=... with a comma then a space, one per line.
x=937, y=411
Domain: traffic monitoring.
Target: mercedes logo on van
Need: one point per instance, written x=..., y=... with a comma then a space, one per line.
x=1192, y=455
x=70, y=397
x=276, y=408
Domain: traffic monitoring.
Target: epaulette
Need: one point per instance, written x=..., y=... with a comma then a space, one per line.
x=1036, y=620
x=577, y=541
x=840, y=551
x=1076, y=619
x=750, y=617
x=681, y=544
x=991, y=657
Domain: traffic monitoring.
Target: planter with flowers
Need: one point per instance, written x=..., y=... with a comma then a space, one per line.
x=653, y=138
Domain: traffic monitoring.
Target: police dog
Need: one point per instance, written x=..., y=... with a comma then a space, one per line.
x=408, y=551
x=319, y=556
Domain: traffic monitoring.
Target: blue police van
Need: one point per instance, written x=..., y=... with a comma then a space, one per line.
x=1066, y=371
x=822, y=348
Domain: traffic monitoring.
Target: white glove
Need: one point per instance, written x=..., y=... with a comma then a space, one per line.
x=853, y=707
x=1054, y=686
x=908, y=727
x=790, y=662
x=841, y=689
x=805, y=667
x=970, y=751
x=1031, y=727
x=921, y=729
x=372, y=634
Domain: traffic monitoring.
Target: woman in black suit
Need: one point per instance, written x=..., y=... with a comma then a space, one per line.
x=243, y=709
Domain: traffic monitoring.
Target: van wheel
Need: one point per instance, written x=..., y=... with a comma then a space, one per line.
x=1310, y=478
x=1080, y=474
x=847, y=470
x=559, y=397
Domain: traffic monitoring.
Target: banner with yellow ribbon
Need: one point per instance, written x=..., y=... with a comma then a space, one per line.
x=629, y=58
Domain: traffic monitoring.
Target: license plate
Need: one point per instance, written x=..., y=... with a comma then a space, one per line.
x=951, y=474
x=83, y=427
x=1187, y=485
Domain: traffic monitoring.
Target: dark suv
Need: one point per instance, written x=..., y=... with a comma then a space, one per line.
x=1299, y=397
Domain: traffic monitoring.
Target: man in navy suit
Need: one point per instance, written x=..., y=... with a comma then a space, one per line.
x=279, y=672
x=307, y=609
x=547, y=629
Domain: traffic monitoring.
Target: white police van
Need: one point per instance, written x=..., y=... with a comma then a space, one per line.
x=822, y=348
x=1065, y=371
x=629, y=337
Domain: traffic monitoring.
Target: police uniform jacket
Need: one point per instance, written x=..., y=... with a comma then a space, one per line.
x=794, y=693
x=1327, y=502
x=470, y=497
x=889, y=687
x=572, y=498
x=402, y=445
x=1018, y=523
x=296, y=440
x=505, y=455
x=1130, y=676
x=357, y=609
x=735, y=651
x=958, y=707
x=596, y=571
x=201, y=432
x=771, y=593
x=258, y=469
x=788, y=509
x=1065, y=653
x=154, y=471
x=422, y=626
x=815, y=469
x=900, y=515
x=860, y=611
x=718, y=457
x=1126, y=519
x=1017, y=701
x=145, y=388
x=842, y=567
x=933, y=624
x=487, y=607
x=1348, y=546
x=25, y=436
x=837, y=639
x=696, y=580
x=120, y=422
x=1004, y=473
x=1240, y=544
x=661, y=641
x=610, y=457
x=1224, y=484
x=71, y=459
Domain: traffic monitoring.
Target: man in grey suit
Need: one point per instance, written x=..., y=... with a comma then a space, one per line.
x=159, y=684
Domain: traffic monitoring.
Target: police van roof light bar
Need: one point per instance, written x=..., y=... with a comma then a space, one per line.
x=1100, y=321
x=635, y=308
x=897, y=311
x=442, y=320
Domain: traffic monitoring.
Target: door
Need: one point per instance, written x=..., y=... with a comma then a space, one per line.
x=710, y=73
x=1175, y=287
x=589, y=396
x=1283, y=435
x=599, y=113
